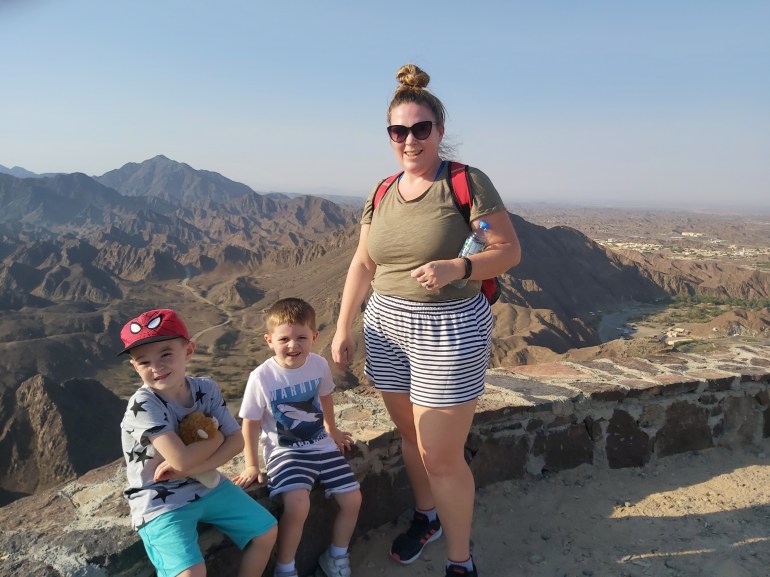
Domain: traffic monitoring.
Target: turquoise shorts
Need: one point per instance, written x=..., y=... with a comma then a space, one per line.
x=171, y=540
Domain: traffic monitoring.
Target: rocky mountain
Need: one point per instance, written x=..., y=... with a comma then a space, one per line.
x=80, y=255
x=19, y=172
x=51, y=432
x=702, y=277
x=173, y=182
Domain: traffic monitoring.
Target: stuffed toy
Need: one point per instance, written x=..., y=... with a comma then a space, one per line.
x=196, y=427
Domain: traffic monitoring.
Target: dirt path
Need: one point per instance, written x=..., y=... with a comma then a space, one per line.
x=703, y=514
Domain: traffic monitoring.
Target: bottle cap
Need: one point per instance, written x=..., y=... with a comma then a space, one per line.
x=483, y=225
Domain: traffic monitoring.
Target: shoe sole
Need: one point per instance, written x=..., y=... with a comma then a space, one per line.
x=319, y=572
x=433, y=537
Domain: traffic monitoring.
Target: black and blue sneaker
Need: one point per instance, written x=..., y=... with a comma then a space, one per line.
x=408, y=546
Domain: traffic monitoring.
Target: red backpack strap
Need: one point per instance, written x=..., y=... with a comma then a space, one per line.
x=461, y=190
x=383, y=188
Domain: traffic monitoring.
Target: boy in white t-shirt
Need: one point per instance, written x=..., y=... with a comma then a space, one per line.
x=288, y=406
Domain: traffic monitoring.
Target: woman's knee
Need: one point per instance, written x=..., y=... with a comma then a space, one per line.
x=401, y=412
x=440, y=464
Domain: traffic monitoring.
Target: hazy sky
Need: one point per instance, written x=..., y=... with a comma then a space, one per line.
x=586, y=101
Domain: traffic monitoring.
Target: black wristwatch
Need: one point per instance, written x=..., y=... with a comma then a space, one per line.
x=468, y=267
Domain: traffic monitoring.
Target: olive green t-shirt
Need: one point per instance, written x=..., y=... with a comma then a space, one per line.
x=407, y=234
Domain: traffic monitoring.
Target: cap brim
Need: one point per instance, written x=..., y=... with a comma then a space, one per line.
x=147, y=341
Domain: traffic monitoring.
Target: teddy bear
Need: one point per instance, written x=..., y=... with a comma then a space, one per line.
x=196, y=427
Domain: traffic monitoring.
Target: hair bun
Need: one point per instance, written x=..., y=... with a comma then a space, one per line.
x=412, y=76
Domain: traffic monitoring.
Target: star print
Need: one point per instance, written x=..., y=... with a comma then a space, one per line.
x=163, y=493
x=137, y=408
x=195, y=498
x=199, y=396
x=130, y=456
x=142, y=524
x=142, y=456
x=152, y=430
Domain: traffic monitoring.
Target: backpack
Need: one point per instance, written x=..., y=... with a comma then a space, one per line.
x=461, y=191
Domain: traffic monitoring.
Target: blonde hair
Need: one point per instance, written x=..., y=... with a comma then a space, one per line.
x=289, y=311
x=413, y=88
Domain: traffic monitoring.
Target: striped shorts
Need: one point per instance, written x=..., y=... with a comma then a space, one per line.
x=289, y=470
x=436, y=352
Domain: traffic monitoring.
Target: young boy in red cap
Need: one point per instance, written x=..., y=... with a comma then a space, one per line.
x=166, y=502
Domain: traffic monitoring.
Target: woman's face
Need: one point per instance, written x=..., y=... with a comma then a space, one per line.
x=416, y=156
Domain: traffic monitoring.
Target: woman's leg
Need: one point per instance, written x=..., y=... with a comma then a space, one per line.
x=441, y=435
x=401, y=412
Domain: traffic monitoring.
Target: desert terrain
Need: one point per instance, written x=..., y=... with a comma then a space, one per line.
x=81, y=255
x=702, y=514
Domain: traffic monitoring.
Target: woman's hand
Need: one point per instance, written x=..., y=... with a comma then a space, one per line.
x=438, y=273
x=343, y=348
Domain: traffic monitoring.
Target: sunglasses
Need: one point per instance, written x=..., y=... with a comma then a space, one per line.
x=420, y=130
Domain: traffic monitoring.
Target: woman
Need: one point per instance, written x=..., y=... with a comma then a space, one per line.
x=427, y=341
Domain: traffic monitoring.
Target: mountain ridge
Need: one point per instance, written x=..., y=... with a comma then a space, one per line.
x=80, y=255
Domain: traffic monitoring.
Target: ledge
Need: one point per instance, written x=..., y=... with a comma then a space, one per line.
x=532, y=419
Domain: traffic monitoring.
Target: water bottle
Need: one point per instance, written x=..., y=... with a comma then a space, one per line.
x=474, y=244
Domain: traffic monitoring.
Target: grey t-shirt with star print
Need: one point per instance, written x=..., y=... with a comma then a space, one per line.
x=148, y=415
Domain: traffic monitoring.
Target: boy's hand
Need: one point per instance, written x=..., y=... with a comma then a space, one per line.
x=342, y=439
x=165, y=472
x=248, y=476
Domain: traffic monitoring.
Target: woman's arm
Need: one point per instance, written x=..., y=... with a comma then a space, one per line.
x=503, y=250
x=357, y=285
x=501, y=253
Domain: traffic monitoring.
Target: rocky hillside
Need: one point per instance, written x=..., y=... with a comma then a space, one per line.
x=80, y=255
x=713, y=278
x=53, y=432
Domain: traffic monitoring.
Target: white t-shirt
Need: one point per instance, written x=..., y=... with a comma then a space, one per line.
x=287, y=402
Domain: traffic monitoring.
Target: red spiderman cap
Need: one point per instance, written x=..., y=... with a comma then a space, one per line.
x=153, y=326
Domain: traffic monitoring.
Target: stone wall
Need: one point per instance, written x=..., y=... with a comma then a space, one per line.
x=533, y=419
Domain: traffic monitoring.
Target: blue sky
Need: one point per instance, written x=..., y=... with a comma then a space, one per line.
x=610, y=102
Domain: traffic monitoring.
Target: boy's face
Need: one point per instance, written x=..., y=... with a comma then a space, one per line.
x=162, y=365
x=291, y=344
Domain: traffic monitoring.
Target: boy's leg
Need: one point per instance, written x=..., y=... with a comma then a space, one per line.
x=196, y=571
x=347, y=516
x=257, y=554
x=335, y=561
x=246, y=522
x=171, y=542
x=296, y=506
